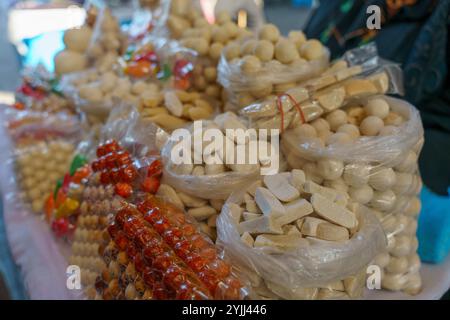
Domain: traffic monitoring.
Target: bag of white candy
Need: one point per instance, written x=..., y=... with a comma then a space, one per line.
x=370, y=149
x=296, y=240
x=253, y=68
x=359, y=74
x=226, y=155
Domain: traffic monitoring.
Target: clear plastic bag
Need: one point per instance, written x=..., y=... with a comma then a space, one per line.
x=379, y=149
x=217, y=186
x=136, y=135
x=219, y=179
x=151, y=76
x=107, y=37
x=381, y=173
x=43, y=148
x=297, y=273
x=39, y=91
x=27, y=127
x=191, y=254
x=244, y=88
x=359, y=74
x=126, y=162
x=148, y=17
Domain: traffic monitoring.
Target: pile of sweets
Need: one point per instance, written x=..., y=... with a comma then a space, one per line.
x=209, y=40
x=115, y=179
x=156, y=86
x=61, y=205
x=254, y=68
x=336, y=87
x=229, y=149
x=39, y=167
x=204, y=211
x=355, y=121
x=286, y=212
x=164, y=257
x=372, y=129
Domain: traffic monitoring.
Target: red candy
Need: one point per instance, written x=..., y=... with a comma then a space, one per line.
x=123, y=158
x=151, y=185
x=60, y=226
x=105, y=177
x=107, y=147
x=191, y=246
x=123, y=189
x=128, y=173
x=155, y=169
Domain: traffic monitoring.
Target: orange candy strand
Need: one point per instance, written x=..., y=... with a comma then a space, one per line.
x=60, y=198
x=49, y=207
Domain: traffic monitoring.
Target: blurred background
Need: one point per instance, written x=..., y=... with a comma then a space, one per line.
x=414, y=33
x=32, y=31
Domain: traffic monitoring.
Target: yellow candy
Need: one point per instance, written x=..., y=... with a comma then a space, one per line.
x=67, y=208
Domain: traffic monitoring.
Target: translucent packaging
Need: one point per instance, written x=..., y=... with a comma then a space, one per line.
x=165, y=257
x=378, y=169
x=359, y=74
x=283, y=252
x=253, y=68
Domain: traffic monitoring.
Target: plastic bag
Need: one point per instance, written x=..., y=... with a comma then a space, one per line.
x=152, y=76
x=298, y=272
x=39, y=91
x=272, y=77
x=148, y=16
x=118, y=175
x=28, y=127
x=215, y=179
x=181, y=14
x=156, y=58
x=361, y=73
x=380, y=172
x=43, y=149
x=190, y=254
x=107, y=36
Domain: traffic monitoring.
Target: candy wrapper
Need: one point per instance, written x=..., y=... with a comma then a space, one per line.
x=162, y=59
x=359, y=74
x=40, y=91
x=296, y=240
x=373, y=156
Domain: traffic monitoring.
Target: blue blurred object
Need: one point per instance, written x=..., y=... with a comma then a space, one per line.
x=43, y=48
x=8, y=269
x=302, y=3
x=434, y=227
